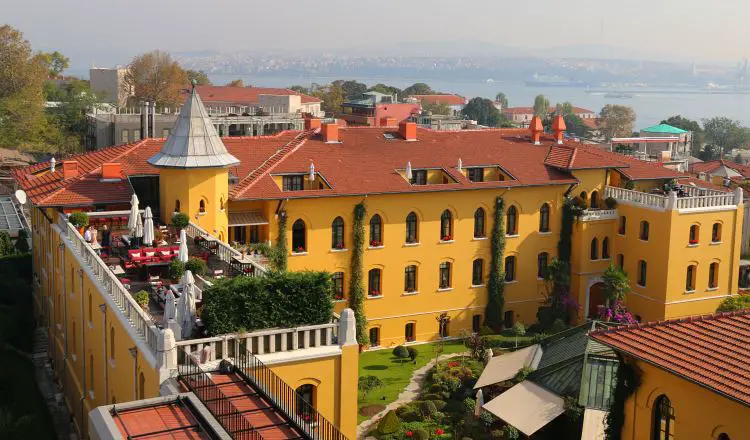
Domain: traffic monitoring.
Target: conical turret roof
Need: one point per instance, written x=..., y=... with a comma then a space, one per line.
x=194, y=142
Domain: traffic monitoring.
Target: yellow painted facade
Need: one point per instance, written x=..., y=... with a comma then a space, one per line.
x=699, y=413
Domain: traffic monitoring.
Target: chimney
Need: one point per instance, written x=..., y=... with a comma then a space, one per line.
x=145, y=106
x=535, y=127
x=52, y=163
x=408, y=131
x=388, y=121
x=312, y=123
x=558, y=126
x=111, y=171
x=70, y=169
x=330, y=133
x=152, y=118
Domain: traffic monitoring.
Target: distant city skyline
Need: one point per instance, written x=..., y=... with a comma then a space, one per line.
x=106, y=33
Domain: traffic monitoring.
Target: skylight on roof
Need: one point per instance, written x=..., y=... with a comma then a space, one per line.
x=389, y=136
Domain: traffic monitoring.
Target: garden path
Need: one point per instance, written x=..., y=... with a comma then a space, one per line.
x=409, y=394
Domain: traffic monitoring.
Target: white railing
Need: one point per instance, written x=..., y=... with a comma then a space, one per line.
x=261, y=342
x=641, y=198
x=711, y=201
x=598, y=214
x=695, y=191
x=222, y=250
x=141, y=321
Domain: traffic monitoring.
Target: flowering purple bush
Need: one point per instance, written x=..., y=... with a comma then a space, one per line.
x=617, y=312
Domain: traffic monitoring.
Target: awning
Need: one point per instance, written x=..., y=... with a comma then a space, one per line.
x=593, y=424
x=504, y=367
x=527, y=406
x=247, y=218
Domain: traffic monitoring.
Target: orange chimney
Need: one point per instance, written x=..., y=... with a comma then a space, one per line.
x=330, y=132
x=558, y=126
x=111, y=171
x=388, y=121
x=535, y=127
x=312, y=123
x=408, y=130
x=70, y=169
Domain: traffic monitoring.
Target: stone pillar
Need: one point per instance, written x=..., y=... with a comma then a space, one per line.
x=166, y=345
x=349, y=372
x=176, y=329
x=671, y=200
x=738, y=196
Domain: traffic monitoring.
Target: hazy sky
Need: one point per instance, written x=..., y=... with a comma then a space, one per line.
x=112, y=29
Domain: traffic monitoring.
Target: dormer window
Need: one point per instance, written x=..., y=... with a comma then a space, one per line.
x=419, y=177
x=301, y=181
x=293, y=183
x=475, y=174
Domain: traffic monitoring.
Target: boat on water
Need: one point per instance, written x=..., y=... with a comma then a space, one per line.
x=554, y=81
x=618, y=95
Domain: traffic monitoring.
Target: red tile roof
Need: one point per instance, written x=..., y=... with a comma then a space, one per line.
x=712, y=351
x=582, y=157
x=440, y=99
x=151, y=421
x=713, y=165
x=244, y=95
x=630, y=167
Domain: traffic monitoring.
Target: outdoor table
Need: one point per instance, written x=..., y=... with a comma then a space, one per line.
x=240, y=264
x=117, y=270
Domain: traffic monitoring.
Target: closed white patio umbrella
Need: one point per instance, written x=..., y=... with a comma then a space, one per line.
x=170, y=306
x=187, y=304
x=479, y=403
x=183, y=253
x=133, y=212
x=138, y=233
x=148, y=227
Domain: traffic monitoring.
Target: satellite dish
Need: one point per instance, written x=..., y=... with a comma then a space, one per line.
x=21, y=196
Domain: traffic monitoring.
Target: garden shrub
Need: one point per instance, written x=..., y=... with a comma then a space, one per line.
x=469, y=405
x=487, y=419
x=413, y=353
x=79, y=219
x=401, y=352
x=176, y=269
x=439, y=404
x=180, y=220
x=610, y=202
x=141, y=298
x=497, y=434
x=420, y=434
x=511, y=433
x=389, y=424
x=428, y=408
x=196, y=266
x=279, y=299
x=409, y=413
x=22, y=243
x=734, y=303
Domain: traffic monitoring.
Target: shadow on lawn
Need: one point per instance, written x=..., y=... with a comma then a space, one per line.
x=375, y=367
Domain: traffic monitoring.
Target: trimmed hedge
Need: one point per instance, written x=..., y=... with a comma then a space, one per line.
x=389, y=424
x=279, y=299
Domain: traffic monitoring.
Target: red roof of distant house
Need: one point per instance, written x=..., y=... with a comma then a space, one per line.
x=712, y=165
x=440, y=99
x=712, y=351
x=244, y=95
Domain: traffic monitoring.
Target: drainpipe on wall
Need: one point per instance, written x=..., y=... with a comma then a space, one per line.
x=103, y=308
x=65, y=314
x=83, y=351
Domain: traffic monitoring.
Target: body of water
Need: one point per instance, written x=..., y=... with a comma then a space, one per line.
x=651, y=105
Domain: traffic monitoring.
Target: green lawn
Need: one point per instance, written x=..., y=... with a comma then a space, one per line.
x=21, y=401
x=395, y=373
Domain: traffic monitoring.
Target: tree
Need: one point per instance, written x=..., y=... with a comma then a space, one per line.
x=332, y=97
x=616, y=284
x=350, y=88
x=575, y=125
x=156, y=77
x=300, y=89
x=738, y=158
x=709, y=152
x=6, y=244
x=418, y=89
x=54, y=62
x=725, y=133
x=501, y=99
x=369, y=383
x=484, y=112
x=689, y=125
x=236, y=83
x=388, y=90
x=75, y=99
x=22, y=76
x=734, y=303
x=22, y=243
x=518, y=330
x=541, y=106
x=437, y=108
x=200, y=77
x=616, y=120
x=401, y=353
x=495, y=283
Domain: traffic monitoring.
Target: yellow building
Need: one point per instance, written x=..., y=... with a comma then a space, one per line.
x=430, y=201
x=692, y=377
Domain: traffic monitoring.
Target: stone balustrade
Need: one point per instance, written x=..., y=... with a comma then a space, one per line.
x=698, y=199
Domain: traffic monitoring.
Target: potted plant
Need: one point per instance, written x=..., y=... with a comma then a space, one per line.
x=176, y=269
x=80, y=220
x=180, y=220
x=610, y=202
x=142, y=299
x=376, y=243
x=447, y=238
x=299, y=249
x=196, y=266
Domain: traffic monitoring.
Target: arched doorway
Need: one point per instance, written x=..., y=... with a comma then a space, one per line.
x=596, y=299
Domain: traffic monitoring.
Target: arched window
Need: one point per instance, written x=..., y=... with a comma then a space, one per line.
x=202, y=206
x=411, y=228
x=621, y=261
x=510, y=268
x=477, y=272
x=298, y=236
x=511, y=221
x=622, y=225
x=446, y=226
x=376, y=231
x=541, y=264
x=690, y=278
x=374, y=282
x=595, y=199
x=713, y=276
x=544, y=218
x=605, y=248
x=716, y=233
x=644, y=231
x=112, y=343
x=694, y=234
x=445, y=275
x=177, y=205
x=723, y=436
x=479, y=217
x=409, y=332
x=337, y=233
x=663, y=419
x=305, y=401
x=594, y=249
x=374, y=336
x=410, y=279
x=642, y=273
x=338, y=285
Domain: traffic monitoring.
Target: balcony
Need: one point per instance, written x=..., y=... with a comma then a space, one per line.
x=598, y=214
x=687, y=199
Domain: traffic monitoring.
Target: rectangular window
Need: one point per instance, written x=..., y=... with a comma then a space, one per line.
x=476, y=323
x=409, y=332
x=445, y=275
x=477, y=275
x=240, y=234
x=510, y=268
x=293, y=183
x=124, y=136
x=475, y=174
x=338, y=285
x=374, y=282
x=642, y=273
x=374, y=337
x=419, y=177
x=508, y=319
x=136, y=134
x=255, y=234
x=410, y=279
